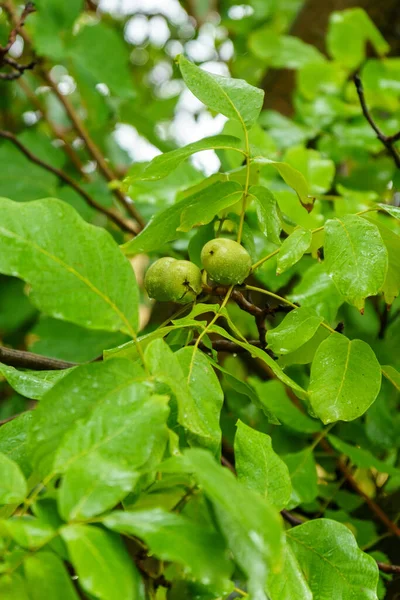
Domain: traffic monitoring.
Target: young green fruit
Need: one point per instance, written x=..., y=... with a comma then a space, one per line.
x=226, y=261
x=170, y=280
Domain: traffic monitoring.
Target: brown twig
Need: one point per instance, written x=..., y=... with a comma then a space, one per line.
x=18, y=69
x=8, y=419
x=67, y=147
x=94, y=150
x=28, y=360
x=248, y=306
x=118, y=220
x=386, y=568
x=387, y=140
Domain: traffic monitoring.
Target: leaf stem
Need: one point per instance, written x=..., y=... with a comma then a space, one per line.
x=246, y=187
x=240, y=592
x=203, y=333
x=282, y=299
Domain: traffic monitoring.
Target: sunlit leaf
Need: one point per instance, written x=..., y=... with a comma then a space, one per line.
x=355, y=257
x=259, y=467
x=331, y=561
x=234, y=98
x=102, y=563
x=293, y=249
x=345, y=379
x=297, y=328
x=104, y=292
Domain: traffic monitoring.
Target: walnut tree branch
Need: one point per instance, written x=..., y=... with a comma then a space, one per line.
x=387, y=140
x=118, y=219
x=78, y=124
x=21, y=359
x=18, y=69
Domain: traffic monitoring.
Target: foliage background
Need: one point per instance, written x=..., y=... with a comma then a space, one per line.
x=105, y=95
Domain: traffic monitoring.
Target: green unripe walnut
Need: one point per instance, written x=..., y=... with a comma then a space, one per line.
x=226, y=261
x=170, y=280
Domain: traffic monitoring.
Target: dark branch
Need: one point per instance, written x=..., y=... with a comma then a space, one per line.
x=249, y=307
x=118, y=219
x=387, y=140
x=292, y=519
x=28, y=360
x=18, y=69
x=385, y=568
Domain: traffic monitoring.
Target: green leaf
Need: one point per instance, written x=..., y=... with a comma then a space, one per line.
x=317, y=291
x=129, y=426
x=14, y=441
x=207, y=395
x=264, y=357
x=272, y=394
x=13, y=488
x=345, y=379
x=393, y=211
x=97, y=64
x=164, y=365
x=391, y=286
x=72, y=399
x=297, y=328
x=319, y=172
x=102, y=563
x=182, y=216
x=293, y=248
x=60, y=339
x=348, y=34
x=201, y=211
x=13, y=587
x=234, y=98
x=292, y=177
x=303, y=475
x=259, y=467
x=171, y=537
x=268, y=213
x=15, y=182
x=304, y=355
x=252, y=528
x=104, y=292
x=331, y=561
x=364, y=459
x=94, y=484
x=164, y=164
x=48, y=578
x=243, y=388
x=282, y=51
x=355, y=258
x=290, y=582
x=392, y=375
x=52, y=25
x=32, y=384
x=29, y=532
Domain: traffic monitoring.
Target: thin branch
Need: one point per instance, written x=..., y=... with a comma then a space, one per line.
x=18, y=69
x=92, y=147
x=80, y=127
x=386, y=568
x=292, y=519
x=21, y=359
x=248, y=306
x=67, y=147
x=387, y=140
x=118, y=220
x=8, y=419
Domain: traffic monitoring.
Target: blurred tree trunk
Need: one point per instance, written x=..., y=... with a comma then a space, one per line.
x=311, y=26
